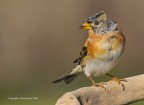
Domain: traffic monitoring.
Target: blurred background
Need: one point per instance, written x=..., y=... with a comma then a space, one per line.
x=39, y=39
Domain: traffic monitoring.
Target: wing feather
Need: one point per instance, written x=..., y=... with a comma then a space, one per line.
x=83, y=53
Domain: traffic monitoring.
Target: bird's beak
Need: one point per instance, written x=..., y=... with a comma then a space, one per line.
x=86, y=26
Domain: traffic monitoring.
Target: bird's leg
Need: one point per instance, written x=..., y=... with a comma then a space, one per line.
x=116, y=79
x=96, y=84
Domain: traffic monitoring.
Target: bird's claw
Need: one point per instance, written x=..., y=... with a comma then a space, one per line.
x=100, y=85
x=119, y=81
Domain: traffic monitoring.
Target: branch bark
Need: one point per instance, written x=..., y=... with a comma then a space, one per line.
x=113, y=95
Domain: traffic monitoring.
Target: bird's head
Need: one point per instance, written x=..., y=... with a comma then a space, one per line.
x=99, y=23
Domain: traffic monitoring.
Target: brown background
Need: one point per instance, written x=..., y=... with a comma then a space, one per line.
x=39, y=39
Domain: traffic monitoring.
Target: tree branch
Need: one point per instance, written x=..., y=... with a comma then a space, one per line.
x=114, y=94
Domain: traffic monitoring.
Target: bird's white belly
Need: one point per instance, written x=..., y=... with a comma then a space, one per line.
x=103, y=65
x=98, y=67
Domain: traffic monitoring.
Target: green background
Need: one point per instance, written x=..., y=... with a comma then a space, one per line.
x=39, y=39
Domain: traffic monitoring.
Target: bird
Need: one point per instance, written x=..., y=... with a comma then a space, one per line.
x=101, y=52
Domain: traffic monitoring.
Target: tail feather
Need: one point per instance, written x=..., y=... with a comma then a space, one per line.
x=58, y=80
x=68, y=79
x=61, y=78
x=70, y=76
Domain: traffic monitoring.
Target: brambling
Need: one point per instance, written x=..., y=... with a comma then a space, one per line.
x=101, y=52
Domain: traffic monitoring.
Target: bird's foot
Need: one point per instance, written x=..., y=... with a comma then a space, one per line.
x=101, y=84
x=97, y=84
x=119, y=81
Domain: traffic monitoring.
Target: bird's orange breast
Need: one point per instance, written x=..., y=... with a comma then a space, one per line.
x=99, y=45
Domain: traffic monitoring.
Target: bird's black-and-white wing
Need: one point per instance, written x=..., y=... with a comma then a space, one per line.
x=83, y=53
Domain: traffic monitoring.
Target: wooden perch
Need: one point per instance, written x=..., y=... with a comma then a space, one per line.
x=113, y=95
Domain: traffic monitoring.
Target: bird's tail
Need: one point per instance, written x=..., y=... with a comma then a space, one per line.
x=70, y=76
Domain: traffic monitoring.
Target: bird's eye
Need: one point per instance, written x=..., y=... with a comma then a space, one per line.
x=96, y=22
